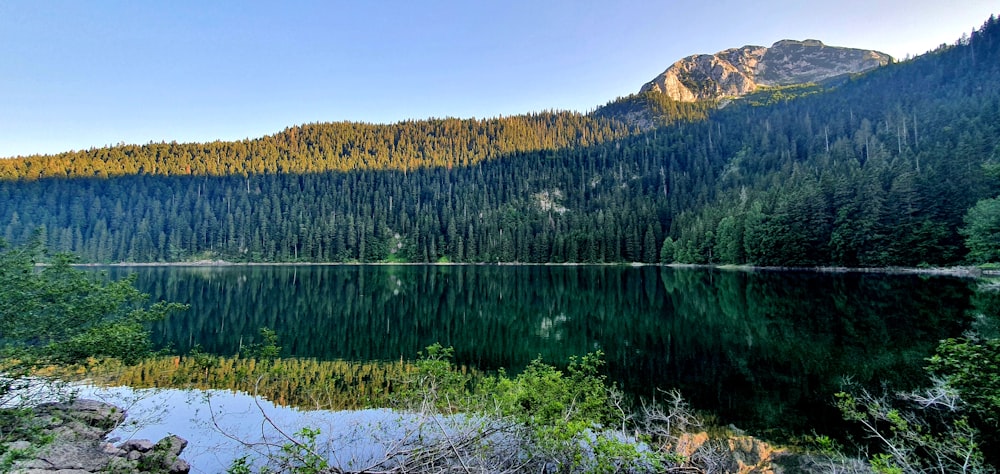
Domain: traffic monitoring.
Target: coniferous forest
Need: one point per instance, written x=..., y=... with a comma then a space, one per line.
x=876, y=169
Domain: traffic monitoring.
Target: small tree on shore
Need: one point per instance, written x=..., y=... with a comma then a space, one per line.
x=58, y=315
x=982, y=231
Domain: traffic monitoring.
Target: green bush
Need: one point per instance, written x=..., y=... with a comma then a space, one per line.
x=58, y=314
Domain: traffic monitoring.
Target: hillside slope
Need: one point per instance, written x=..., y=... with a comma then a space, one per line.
x=878, y=170
x=341, y=146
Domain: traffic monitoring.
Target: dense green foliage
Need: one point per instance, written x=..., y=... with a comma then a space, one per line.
x=875, y=170
x=972, y=366
x=583, y=204
x=878, y=171
x=550, y=420
x=982, y=231
x=58, y=315
x=953, y=425
x=62, y=315
x=651, y=109
x=342, y=146
x=918, y=434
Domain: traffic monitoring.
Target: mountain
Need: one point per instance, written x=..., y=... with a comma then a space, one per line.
x=877, y=169
x=740, y=71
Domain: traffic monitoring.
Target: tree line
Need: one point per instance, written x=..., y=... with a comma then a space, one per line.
x=341, y=146
x=879, y=169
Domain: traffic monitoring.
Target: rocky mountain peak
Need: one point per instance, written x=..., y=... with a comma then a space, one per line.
x=739, y=71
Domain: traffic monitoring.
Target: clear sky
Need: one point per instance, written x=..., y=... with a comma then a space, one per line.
x=85, y=73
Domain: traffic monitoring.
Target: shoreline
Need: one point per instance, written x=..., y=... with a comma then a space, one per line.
x=957, y=271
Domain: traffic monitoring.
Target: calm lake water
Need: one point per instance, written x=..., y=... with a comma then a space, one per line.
x=211, y=419
x=760, y=350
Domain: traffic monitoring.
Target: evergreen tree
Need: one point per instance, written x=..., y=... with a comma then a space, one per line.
x=982, y=231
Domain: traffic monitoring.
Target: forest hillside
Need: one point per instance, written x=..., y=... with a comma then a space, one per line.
x=879, y=168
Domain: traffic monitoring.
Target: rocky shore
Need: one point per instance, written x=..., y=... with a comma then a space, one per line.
x=77, y=431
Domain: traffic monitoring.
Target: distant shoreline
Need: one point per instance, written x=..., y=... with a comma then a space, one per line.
x=961, y=272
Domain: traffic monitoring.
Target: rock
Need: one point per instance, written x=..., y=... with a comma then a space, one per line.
x=61, y=471
x=100, y=415
x=143, y=455
x=141, y=445
x=179, y=466
x=173, y=444
x=64, y=454
x=737, y=453
x=18, y=446
x=112, y=450
x=739, y=71
x=796, y=62
x=78, y=447
x=727, y=73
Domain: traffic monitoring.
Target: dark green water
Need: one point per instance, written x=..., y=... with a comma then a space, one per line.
x=760, y=350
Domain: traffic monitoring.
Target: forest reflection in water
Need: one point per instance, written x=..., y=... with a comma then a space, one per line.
x=758, y=349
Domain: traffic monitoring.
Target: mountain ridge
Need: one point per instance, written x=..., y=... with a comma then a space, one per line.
x=730, y=73
x=736, y=72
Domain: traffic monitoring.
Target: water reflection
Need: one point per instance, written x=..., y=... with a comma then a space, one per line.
x=759, y=349
x=223, y=425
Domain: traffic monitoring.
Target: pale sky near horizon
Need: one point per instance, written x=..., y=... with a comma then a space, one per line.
x=80, y=74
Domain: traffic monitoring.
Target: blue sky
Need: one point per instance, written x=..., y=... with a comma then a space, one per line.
x=80, y=74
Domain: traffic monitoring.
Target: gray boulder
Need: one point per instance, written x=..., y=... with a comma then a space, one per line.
x=78, y=429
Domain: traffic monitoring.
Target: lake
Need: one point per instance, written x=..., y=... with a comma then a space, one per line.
x=762, y=350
